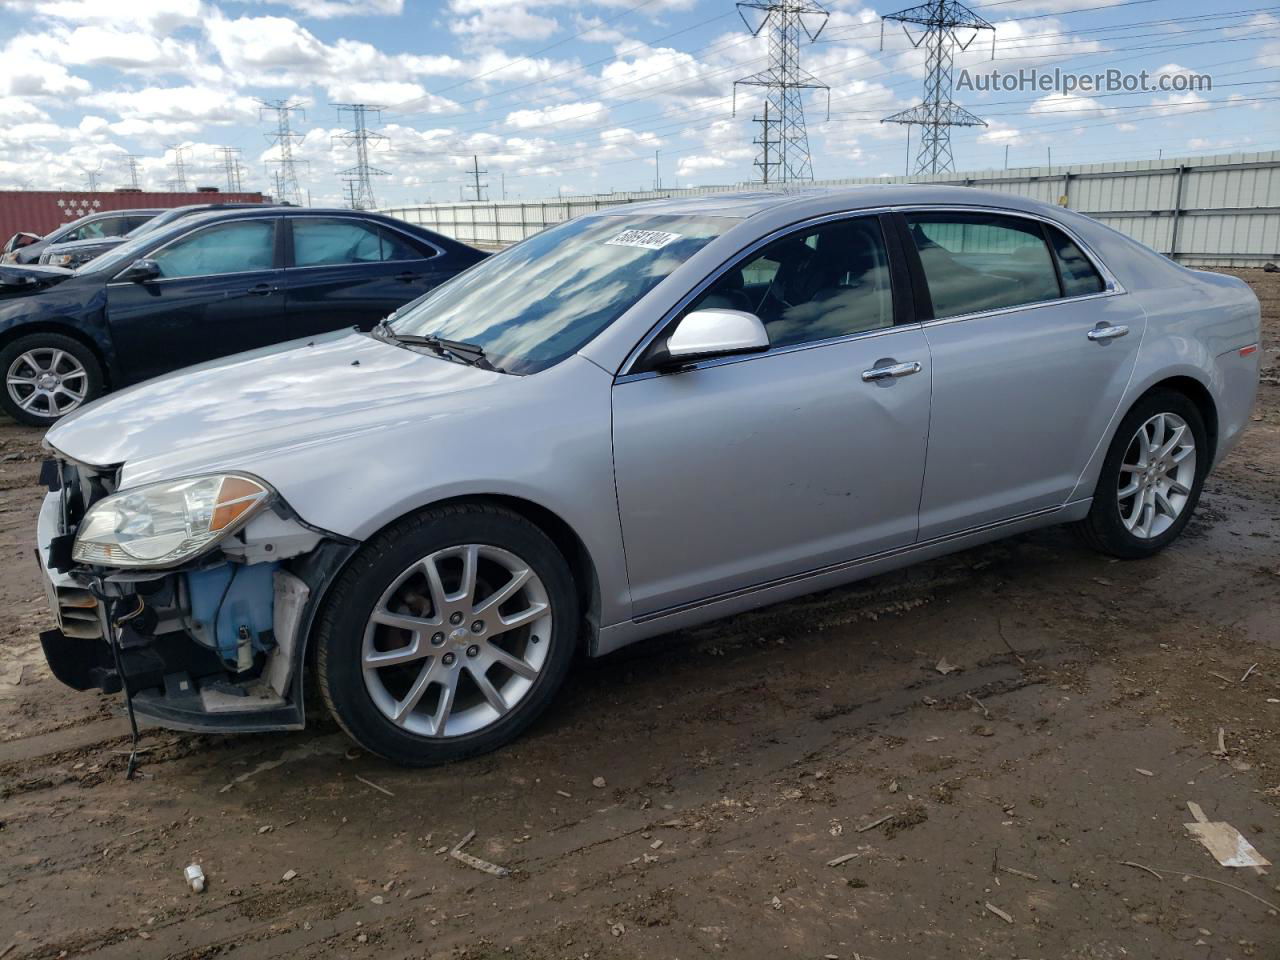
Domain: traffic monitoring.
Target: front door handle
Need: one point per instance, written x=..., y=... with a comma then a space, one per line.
x=406, y=277
x=891, y=371
x=1105, y=331
x=260, y=289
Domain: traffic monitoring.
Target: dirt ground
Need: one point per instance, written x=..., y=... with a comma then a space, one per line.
x=739, y=761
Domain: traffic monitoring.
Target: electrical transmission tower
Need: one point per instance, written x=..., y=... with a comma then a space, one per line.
x=785, y=83
x=288, y=189
x=135, y=179
x=476, y=185
x=359, y=179
x=769, y=163
x=231, y=166
x=178, y=183
x=91, y=177
x=938, y=113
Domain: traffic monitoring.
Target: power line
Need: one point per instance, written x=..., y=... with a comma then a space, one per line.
x=939, y=112
x=359, y=178
x=477, y=186
x=178, y=183
x=231, y=167
x=91, y=177
x=288, y=189
x=785, y=80
x=132, y=162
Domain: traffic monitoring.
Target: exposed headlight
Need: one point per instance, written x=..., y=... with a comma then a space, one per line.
x=165, y=524
x=59, y=259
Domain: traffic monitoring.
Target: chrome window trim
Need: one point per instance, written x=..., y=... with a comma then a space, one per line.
x=347, y=216
x=628, y=373
x=116, y=281
x=1111, y=286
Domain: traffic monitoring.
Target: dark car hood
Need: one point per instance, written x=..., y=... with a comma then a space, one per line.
x=28, y=278
x=75, y=246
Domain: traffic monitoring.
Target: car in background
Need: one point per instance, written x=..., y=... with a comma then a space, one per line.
x=203, y=287
x=76, y=253
x=636, y=421
x=108, y=223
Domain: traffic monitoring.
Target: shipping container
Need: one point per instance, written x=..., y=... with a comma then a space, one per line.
x=39, y=211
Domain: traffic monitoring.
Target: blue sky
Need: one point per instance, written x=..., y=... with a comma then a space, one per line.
x=577, y=96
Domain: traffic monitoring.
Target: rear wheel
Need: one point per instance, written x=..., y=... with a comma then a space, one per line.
x=1151, y=478
x=447, y=635
x=47, y=375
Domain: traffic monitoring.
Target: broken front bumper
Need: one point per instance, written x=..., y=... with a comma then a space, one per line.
x=176, y=664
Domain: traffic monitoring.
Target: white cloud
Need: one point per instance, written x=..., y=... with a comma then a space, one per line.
x=23, y=75
x=195, y=104
x=499, y=20
x=564, y=116
x=326, y=9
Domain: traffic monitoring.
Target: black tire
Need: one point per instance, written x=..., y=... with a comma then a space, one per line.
x=38, y=413
x=341, y=626
x=1103, y=529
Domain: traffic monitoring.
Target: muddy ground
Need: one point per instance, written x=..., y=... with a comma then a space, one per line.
x=738, y=761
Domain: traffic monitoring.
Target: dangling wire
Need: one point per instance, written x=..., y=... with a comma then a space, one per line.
x=114, y=640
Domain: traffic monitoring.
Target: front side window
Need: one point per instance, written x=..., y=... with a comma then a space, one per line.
x=222, y=248
x=542, y=300
x=825, y=282
x=976, y=262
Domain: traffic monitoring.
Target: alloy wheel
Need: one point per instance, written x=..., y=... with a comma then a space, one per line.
x=47, y=381
x=457, y=641
x=1157, y=475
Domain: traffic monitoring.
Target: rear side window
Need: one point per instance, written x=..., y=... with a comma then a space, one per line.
x=322, y=242
x=222, y=248
x=1079, y=277
x=977, y=262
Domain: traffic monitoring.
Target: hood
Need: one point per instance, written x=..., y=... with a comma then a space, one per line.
x=27, y=278
x=229, y=413
x=83, y=246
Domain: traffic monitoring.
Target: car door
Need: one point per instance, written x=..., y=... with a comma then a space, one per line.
x=1032, y=346
x=353, y=271
x=218, y=292
x=743, y=470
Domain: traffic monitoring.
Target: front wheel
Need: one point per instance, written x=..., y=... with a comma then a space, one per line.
x=447, y=634
x=1151, y=478
x=47, y=375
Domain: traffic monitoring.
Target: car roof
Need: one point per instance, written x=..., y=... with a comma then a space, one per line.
x=814, y=201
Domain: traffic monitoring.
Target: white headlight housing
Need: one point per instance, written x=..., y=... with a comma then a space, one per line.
x=165, y=524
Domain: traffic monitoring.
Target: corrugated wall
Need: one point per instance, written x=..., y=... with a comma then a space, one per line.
x=39, y=211
x=1203, y=211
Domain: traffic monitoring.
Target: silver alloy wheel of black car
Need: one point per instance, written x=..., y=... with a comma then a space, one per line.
x=47, y=382
x=1157, y=474
x=456, y=641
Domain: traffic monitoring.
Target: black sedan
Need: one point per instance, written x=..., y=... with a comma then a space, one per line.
x=204, y=287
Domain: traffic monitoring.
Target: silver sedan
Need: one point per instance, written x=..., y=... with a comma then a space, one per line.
x=635, y=421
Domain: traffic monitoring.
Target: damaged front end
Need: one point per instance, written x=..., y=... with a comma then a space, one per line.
x=193, y=597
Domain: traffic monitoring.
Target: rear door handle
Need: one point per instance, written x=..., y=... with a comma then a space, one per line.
x=261, y=289
x=1105, y=331
x=891, y=371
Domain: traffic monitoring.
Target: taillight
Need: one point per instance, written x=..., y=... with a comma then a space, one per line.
x=1247, y=351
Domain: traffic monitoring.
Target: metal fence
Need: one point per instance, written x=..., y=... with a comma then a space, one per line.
x=1202, y=211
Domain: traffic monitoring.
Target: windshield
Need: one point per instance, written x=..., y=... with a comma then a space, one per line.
x=536, y=303
x=159, y=220
x=118, y=255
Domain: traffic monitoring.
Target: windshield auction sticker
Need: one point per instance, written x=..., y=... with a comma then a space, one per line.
x=648, y=239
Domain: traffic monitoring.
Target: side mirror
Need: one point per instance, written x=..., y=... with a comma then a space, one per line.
x=713, y=332
x=140, y=270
